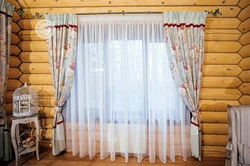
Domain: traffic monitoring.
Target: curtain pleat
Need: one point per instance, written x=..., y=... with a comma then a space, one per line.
x=61, y=31
x=184, y=37
x=6, y=10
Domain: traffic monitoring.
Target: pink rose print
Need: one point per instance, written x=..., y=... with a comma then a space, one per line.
x=2, y=79
x=182, y=91
x=175, y=46
x=62, y=84
x=66, y=47
x=179, y=58
x=182, y=27
x=166, y=39
x=2, y=39
x=75, y=29
x=184, y=85
x=72, y=66
x=196, y=87
x=171, y=66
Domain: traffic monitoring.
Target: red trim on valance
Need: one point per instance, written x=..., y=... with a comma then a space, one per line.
x=60, y=26
x=7, y=15
x=183, y=24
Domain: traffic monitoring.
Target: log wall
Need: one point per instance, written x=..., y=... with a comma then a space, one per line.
x=226, y=69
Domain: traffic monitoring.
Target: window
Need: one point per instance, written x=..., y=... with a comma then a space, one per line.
x=122, y=70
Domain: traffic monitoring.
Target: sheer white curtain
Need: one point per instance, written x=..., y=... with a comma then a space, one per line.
x=124, y=100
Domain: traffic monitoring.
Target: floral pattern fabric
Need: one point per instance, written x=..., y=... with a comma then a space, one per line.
x=184, y=36
x=61, y=31
x=6, y=10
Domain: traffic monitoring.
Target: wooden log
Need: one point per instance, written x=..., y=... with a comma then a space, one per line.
x=222, y=31
x=208, y=139
x=245, y=63
x=43, y=90
x=214, y=128
x=46, y=133
x=46, y=101
x=219, y=94
x=244, y=14
x=33, y=46
x=13, y=84
x=245, y=76
x=245, y=51
x=14, y=73
x=220, y=82
x=8, y=108
x=213, y=117
x=14, y=50
x=14, y=61
x=206, y=154
x=222, y=37
x=45, y=144
x=36, y=68
x=219, y=46
x=8, y=96
x=46, y=112
x=41, y=57
x=245, y=88
x=216, y=105
x=123, y=3
x=213, y=151
x=9, y=120
x=36, y=79
x=14, y=39
x=32, y=37
x=245, y=99
x=45, y=123
x=221, y=70
x=217, y=23
x=227, y=11
x=15, y=27
x=244, y=39
x=220, y=149
x=222, y=23
x=221, y=58
x=15, y=17
x=245, y=26
x=243, y=3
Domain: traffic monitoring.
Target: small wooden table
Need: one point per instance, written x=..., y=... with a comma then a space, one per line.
x=15, y=136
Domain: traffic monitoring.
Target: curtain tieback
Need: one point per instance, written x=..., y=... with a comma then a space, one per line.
x=195, y=117
x=195, y=112
x=58, y=109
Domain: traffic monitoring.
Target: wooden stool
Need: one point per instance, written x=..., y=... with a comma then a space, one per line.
x=15, y=136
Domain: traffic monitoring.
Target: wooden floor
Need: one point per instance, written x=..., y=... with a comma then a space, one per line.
x=66, y=159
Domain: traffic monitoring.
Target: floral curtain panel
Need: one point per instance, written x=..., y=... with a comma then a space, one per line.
x=61, y=31
x=184, y=36
x=6, y=10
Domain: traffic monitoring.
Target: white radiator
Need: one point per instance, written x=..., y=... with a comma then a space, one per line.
x=132, y=140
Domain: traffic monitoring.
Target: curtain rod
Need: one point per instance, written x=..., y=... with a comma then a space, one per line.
x=214, y=12
x=123, y=13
